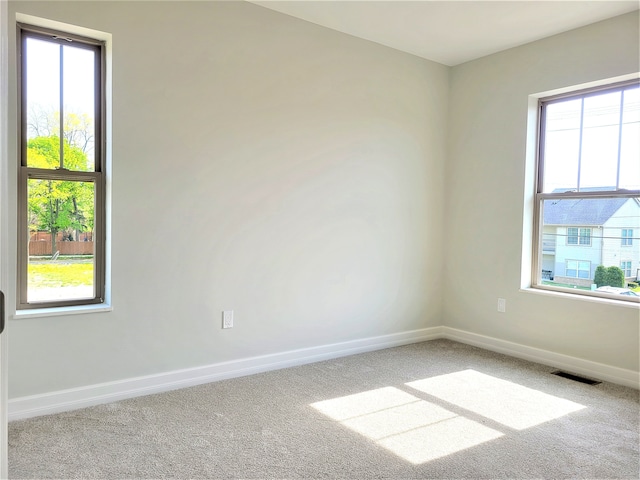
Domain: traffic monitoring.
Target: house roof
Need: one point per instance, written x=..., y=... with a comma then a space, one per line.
x=581, y=211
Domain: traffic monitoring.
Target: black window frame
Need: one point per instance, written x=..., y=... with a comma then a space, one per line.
x=97, y=176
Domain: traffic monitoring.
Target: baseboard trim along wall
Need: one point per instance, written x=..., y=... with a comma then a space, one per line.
x=72, y=399
x=587, y=368
x=65, y=400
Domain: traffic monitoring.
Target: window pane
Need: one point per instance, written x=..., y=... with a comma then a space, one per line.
x=46, y=102
x=630, y=143
x=584, y=270
x=43, y=99
x=61, y=260
x=568, y=263
x=590, y=146
x=562, y=144
x=79, y=105
x=585, y=236
x=601, y=110
x=604, y=155
x=599, y=164
x=599, y=167
x=61, y=247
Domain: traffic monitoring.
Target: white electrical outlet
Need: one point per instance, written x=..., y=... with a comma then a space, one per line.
x=502, y=305
x=227, y=319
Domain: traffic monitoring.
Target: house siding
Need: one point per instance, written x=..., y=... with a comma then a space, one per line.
x=613, y=252
x=606, y=246
x=586, y=253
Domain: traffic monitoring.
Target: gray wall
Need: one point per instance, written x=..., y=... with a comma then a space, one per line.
x=324, y=187
x=486, y=196
x=261, y=164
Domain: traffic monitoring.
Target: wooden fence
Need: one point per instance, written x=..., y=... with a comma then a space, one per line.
x=43, y=248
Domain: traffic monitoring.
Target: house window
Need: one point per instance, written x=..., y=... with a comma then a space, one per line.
x=578, y=236
x=587, y=184
x=625, y=266
x=578, y=269
x=61, y=190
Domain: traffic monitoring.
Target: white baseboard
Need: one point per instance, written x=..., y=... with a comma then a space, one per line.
x=65, y=400
x=587, y=368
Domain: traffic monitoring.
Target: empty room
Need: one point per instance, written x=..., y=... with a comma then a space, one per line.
x=322, y=239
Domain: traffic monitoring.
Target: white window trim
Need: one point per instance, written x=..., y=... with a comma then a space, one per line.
x=630, y=262
x=62, y=311
x=578, y=236
x=578, y=262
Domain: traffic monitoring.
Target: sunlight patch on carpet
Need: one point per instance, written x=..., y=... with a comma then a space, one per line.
x=413, y=429
x=502, y=401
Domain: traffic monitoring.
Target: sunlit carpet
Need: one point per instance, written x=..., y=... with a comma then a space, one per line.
x=437, y=409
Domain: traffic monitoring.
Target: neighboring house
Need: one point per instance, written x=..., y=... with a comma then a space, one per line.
x=581, y=234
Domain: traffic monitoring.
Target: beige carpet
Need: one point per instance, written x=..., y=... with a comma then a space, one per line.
x=437, y=409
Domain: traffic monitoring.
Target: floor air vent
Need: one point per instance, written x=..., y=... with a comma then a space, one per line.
x=576, y=378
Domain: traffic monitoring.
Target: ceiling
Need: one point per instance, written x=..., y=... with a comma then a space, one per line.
x=455, y=31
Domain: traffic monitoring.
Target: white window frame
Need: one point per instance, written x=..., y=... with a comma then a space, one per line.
x=540, y=196
x=97, y=176
x=627, y=237
x=579, y=236
x=578, y=269
x=623, y=266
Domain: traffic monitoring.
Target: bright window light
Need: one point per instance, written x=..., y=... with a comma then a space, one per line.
x=413, y=429
x=438, y=440
x=420, y=431
x=500, y=400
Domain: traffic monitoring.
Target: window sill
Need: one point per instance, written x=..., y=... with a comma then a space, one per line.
x=62, y=311
x=587, y=298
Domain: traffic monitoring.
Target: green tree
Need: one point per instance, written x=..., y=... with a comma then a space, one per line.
x=44, y=152
x=77, y=127
x=600, y=276
x=58, y=205
x=608, y=276
x=614, y=277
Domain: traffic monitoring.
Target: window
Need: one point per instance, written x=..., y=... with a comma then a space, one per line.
x=61, y=190
x=578, y=269
x=588, y=185
x=578, y=236
x=625, y=266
